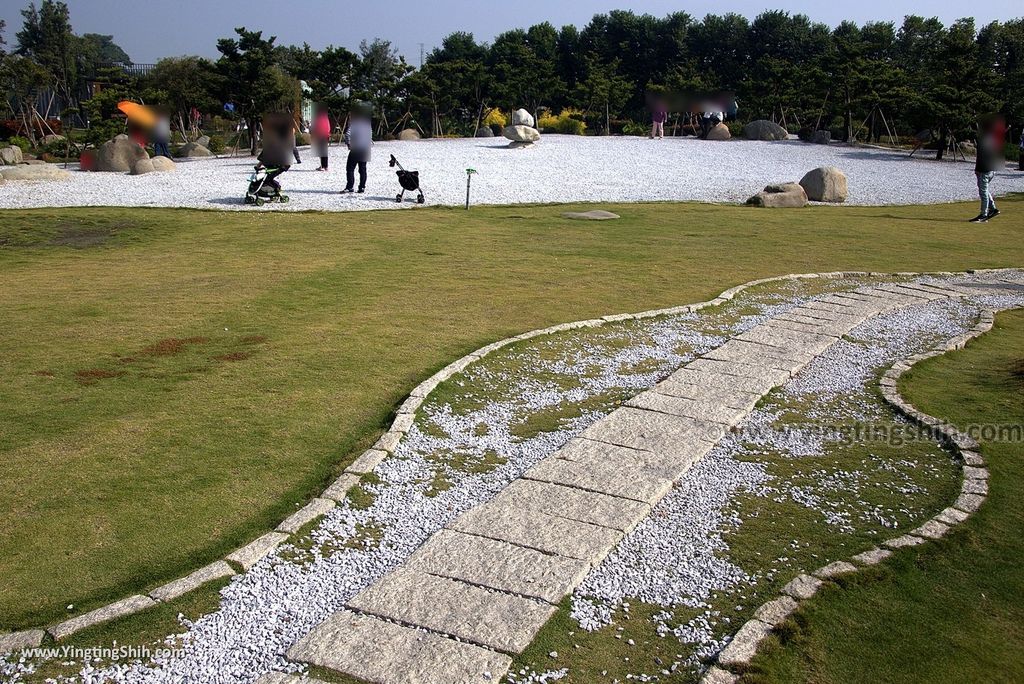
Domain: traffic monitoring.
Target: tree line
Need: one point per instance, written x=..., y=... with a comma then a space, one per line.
x=858, y=81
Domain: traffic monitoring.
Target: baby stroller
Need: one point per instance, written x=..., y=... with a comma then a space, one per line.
x=409, y=180
x=263, y=186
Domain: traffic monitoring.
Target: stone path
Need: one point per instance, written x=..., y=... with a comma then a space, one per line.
x=477, y=592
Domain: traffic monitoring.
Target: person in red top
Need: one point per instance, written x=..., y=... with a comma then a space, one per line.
x=320, y=133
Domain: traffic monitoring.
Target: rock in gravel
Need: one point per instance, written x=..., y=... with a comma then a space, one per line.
x=163, y=164
x=521, y=117
x=34, y=172
x=719, y=132
x=762, y=129
x=521, y=135
x=143, y=166
x=9, y=156
x=409, y=134
x=484, y=132
x=825, y=184
x=193, y=150
x=593, y=215
x=821, y=137
x=119, y=155
x=782, y=195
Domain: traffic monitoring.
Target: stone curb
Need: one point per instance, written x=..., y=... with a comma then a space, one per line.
x=247, y=556
x=974, y=490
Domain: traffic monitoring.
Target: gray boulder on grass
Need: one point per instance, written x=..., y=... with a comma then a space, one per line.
x=762, y=129
x=119, y=155
x=825, y=184
x=9, y=156
x=780, y=195
x=193, y=150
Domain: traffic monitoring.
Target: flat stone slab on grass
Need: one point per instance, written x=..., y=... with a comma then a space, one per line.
x=499, y=565
x=835, y=570
x=340, y=487
x=774, y=612
x=308, y=513
x=257, y=549
x=367, y=461
x=179, y=587
x=743, y=647
x=18, y=641
x=128, y=606
x=590, y=507
x=380, y=651
x=872, y=556
x=540, y=531
x=593, y=215
x=488, y=618
x=802, y=587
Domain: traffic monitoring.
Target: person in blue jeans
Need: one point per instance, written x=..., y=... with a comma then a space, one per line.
x=162, y=136
x=359, y=138
x=989, y=160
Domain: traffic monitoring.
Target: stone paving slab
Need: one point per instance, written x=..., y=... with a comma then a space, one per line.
x=339, y=488
x=639, y=429
x=666, y=465
x=753, y=354
x=308, y=513
x=253, y=552
x=367, y=461
x=688, y=408
x=18, y=641
x=179, y=587
x=385, y=653
x=689, y=376
x=590, y=507
x=625, y=479
x=540, y=531
x=733, y=368
x=128, y=606
x=487, y=618
x=499, y=565
x=733, y=398
x=811, y=343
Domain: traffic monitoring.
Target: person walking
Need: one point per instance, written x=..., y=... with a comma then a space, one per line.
x=359, y=138
x=1020, y=153
x=989, y=159
x=162, y=136
x=320, y=133
x=658, y=118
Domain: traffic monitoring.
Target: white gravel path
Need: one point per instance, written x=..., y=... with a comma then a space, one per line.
x=559, y=169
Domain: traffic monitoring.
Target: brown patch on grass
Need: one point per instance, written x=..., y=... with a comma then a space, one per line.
x=43, y=373
x=233, y=356
x=1017, y=370
x=90, y=376
x=80, y=237
x=254, y=339
x=172, y=345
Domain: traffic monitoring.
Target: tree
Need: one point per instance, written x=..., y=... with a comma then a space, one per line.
x=603, y=89
x=251, y=80
x=380, y=78
x=181, y=83
x=100, y=49
x=455, y=81
x=48, y=40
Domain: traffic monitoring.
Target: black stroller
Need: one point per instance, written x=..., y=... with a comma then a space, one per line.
x=409, y=180
x=264, y=187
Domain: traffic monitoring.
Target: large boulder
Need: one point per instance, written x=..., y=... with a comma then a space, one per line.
x=203, y=140
x=781, y=195
x=53, y=138
x=34, y=172
x=9, y=156
x=119, y=155
x=719, y=132
x=409, y=134
x=163, y=164
x=521, y=136
x=484, y=132
x=821, y=137
x=762, y=129
x=825, y=184
x=193, y=150
x=521, y=117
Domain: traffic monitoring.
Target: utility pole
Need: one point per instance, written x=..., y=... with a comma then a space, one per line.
x=421, y=55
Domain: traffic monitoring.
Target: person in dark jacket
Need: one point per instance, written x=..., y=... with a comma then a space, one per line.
x=278, y=146
x=989, y=160
x=359, y=138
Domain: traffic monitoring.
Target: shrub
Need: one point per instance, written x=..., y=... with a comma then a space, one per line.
x=1012, y=152
x=495, y=117
x=634, y=128
x=18, y=141
x=569, y=121
x=735, y=129
x=217, y=144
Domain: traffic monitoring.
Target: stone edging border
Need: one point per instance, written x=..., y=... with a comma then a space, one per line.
x=974, y=489
x=243, y=558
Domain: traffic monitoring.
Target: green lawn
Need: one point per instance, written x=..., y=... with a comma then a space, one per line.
x=950, y=611
x=176, y=382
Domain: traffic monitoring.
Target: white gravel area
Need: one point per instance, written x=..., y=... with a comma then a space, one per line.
x=675, y=557
x=558, y=169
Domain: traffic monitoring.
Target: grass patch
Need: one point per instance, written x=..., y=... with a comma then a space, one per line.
x=93, y=476
x=949, y=611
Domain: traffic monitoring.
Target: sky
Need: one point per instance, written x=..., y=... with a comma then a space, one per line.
x=151, y=29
